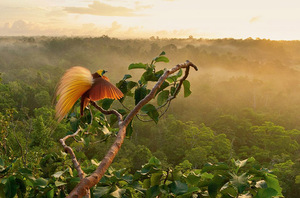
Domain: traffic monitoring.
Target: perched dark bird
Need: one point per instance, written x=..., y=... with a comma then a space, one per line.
x=79, y=82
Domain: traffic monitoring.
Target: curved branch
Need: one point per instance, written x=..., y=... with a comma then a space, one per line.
x=88, y=182
x=69, y=150
x=108, y=112
x=161, y=115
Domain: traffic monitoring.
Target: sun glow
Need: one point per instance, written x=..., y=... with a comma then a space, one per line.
x=275, y=20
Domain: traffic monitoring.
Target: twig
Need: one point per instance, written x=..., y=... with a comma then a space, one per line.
x=150, y=120
x=69, y=150
x=108, y=112
x=21, y=147
x=125, y=107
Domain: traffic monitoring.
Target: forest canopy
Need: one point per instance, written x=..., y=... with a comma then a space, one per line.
x=244, y=103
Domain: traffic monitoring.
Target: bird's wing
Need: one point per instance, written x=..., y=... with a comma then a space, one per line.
x=74, y=83
x=102, y=88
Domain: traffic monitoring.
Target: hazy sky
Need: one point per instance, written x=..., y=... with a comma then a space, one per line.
x=271, y=19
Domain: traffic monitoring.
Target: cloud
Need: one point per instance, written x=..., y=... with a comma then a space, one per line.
x=17, y=27
x=139, y=6
x=27, y=28
x=254, y=19
x=115, y=26
x=102, y=9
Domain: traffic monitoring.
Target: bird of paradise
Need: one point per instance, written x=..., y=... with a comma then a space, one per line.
x=79, y=82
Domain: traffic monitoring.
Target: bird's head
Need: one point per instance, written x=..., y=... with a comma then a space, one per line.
x=101, y=72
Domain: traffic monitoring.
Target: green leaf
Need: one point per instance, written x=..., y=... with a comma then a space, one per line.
x=129, y=129
x=242, y=163
x=297, y=179
x=139, y=94
x=240, y=182
x=261, y=184
x=146, y=183
x=113, y=119
x=2, y=188
x=148, y=75
x=215, y=185
x=212, y=167
x=4, y=170
x=273, y=182
x=191, y=190
x=158, y=74
x=228, y=190
x=137, y=66
x=151, y=111
x=153, y=192
x=162, y=97
x=213, y=189
x=162, y=87
x=95, y=162
x=10, y=187
x=118, y=193
x=179, y=73
x=193, y=179
x=58, y=174
x=162, y=53
x=207, y=175
x=130, y=85
x=155, y=178
x=25, y=171
x=122, y=85
x=178, y=188
x=41, y=182
x=105, y=130
x=154, y=161
x=21, y=191
x=50, y=193
x=127, y=178
x=74, y=123
x=106, y=103
x=266, y=193
x=173, y=78
x=100, y=191
x=186, y=86
x=127, y=76
x=161, y=59
x=173, y=89
x=58, y=183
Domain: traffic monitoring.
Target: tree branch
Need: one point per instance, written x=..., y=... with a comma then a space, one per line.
x=160, y=81
x=69, y=150
x=88, y=182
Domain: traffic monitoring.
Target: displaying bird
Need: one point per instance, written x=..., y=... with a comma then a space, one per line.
x=79, y=82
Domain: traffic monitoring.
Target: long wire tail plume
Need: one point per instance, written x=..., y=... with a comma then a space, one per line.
x=75, y=82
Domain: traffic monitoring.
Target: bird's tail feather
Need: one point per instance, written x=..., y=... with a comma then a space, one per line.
x=75, y=82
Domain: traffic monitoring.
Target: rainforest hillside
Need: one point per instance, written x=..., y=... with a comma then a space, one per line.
x=245, y=103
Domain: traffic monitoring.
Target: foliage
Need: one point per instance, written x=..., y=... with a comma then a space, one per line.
x=212, y=180
x=237, y=110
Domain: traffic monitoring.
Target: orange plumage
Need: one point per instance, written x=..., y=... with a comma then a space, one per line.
x=79, y=82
